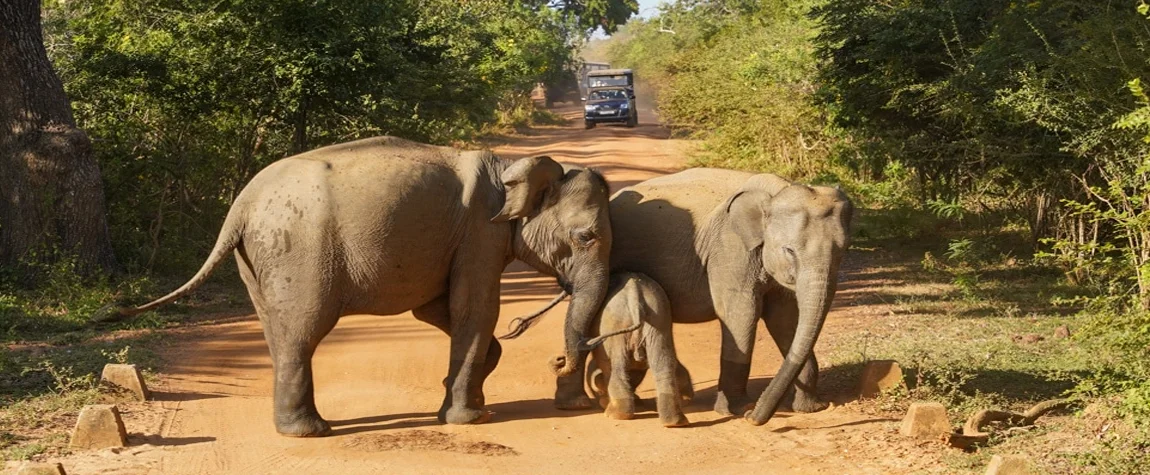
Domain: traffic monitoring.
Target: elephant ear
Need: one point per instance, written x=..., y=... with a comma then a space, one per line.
x=768, y=182
x=748, y=208
x=746, y=212
x=525, y=185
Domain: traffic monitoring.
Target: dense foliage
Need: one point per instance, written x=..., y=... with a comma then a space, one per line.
x=740, y=72
x=187, y=99
x=995, y=116
x=1023, y=109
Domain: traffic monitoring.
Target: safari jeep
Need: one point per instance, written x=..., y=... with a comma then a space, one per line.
x=610, y=98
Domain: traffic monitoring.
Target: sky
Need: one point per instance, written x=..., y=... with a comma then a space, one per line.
x=644, y=5
x=646, y=9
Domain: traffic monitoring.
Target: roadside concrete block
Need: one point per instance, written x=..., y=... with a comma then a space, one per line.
x=99, y=427
x=38, y=468
x=879, y=376
x=127, y=376
x=925, y=420
x=1009, y=465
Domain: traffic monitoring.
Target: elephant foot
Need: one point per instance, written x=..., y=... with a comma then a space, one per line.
x=465, y=415
x=477, y=400
x=308, y=425
x=670, y=413
x=620, y=409
x=674, y=421
x=732, y=405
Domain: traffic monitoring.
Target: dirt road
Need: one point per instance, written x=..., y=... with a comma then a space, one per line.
x=378, y=382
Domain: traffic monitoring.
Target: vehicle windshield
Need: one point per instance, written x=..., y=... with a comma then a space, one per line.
x=607, y=81
x=607, y=94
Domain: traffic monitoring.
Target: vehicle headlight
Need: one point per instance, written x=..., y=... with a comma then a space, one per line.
x=588, y=108
x=625, y=105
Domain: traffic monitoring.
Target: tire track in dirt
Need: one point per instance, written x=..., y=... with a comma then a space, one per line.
x=382, y=375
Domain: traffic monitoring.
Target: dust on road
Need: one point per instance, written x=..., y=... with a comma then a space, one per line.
x=378, y=381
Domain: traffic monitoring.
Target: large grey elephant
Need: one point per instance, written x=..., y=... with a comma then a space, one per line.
x=738, y=247
x=383, y=226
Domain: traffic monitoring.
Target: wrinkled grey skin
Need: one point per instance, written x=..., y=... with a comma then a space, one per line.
x=738, y=247
x=383, y=226
x=619, y=364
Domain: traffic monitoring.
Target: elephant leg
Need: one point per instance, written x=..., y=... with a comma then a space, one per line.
x=620, y=392
x=292, y=345
x=636, y=376
x=686, y=386
x=293, y=334
x=569, y=392
x=781, y=315
x=473, y=303
x=438, y=314
x=738, y=327
x=664, y=363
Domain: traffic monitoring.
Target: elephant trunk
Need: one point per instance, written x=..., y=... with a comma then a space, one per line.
x=814, y=291
x=586, y=303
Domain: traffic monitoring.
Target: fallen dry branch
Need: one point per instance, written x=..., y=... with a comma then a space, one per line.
x=973, y=435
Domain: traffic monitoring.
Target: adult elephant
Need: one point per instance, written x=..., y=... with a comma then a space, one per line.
x=738, y=247
x=383, y=226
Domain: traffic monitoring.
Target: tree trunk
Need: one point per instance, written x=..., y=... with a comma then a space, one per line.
x=299, y=136
x=51, y=195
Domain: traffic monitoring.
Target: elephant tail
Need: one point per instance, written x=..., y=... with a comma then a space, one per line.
x=520, y=324
x=230, y=235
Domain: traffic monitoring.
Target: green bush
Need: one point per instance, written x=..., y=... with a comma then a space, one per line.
x=740, y=78
x=187, y=100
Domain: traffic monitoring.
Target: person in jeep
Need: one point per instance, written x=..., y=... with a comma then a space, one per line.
x=610, y=104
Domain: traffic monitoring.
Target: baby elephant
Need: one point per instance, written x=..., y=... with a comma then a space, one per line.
x=638, y=315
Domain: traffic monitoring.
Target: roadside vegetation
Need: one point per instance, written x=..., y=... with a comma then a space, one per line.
x=1001, y=153
x=183, y=102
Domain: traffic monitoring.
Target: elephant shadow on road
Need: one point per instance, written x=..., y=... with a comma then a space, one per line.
x=837, y=384
x=383, y=422
x=500, y=412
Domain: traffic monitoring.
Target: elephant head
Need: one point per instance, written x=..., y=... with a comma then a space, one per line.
x=800, y=234
x=563, y=229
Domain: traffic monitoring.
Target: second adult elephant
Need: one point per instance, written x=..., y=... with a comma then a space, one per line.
x=737, y=247
x=383, y=226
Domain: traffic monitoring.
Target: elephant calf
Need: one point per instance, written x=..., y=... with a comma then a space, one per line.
x=636, y=329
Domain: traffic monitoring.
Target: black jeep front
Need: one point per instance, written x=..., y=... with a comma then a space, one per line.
x=613, y=104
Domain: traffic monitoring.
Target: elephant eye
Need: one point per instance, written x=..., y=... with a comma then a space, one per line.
x=583, y=237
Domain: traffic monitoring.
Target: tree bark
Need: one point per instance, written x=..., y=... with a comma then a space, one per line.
x=51, y=195
x=299, y=136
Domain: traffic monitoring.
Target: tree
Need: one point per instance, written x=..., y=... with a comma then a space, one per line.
x=593, y=14
x=51, y=194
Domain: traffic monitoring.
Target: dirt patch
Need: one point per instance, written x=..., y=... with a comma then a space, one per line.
x=428, y=440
